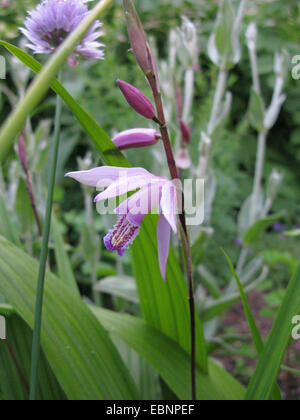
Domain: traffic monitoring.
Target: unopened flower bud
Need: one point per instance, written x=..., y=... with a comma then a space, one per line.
x=183, y=159
x=138, y=137
x=185, y=132
x=139, y=102
x=137, y=36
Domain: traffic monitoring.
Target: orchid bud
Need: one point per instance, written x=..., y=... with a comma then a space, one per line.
x=137, y=100
x=138, y=137
x=185, y=132
x=137, y=36
x=183, y=159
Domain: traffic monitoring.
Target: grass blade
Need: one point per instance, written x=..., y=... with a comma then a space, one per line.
x=269, y=363
x=257, y=339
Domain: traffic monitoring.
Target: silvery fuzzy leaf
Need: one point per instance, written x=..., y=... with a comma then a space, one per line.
x=244, y=218
x=274, y=111
x=225, y=109
x=212, y=50
x=224, y=28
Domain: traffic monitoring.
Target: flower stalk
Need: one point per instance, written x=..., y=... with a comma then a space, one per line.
x=185, y=236
x=44, y=256
x=149, y=68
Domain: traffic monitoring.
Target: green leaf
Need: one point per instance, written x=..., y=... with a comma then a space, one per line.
x=41, y=84
x=198, y=248
x=256, y=111
x=215, y=307
x=256, y=232
x=208, y=280
x=269, y=363
x=7, y=228
x=79, y=351
x=15, y=365
x=224, y=29
x=146, y=378
x=169, y=359
x=119, y=286
x=65, y=272
x=6, y=309
x=257, y=339
x=164, y=304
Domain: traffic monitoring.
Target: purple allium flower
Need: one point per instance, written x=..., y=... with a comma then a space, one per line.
x=153, y=192
x=52, y=21
x=137, y=137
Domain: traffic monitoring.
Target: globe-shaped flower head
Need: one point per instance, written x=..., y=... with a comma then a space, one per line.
x=52, y=21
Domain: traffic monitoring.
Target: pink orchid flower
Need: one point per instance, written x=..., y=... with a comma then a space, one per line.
x=153, y=192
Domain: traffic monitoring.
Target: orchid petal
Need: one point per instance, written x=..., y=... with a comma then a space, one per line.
x=143, y=201
x=105, y=175
x=123, y=186
x=169, y=203
x=163, y=242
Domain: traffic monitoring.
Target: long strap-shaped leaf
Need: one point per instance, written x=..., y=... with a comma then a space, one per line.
x=165, y=305
x=15, y=365
x=170, y=361
x=257, y=339
x=78, y=349
x=269, y=363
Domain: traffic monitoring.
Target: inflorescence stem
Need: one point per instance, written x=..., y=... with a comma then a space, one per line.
x=186, y=240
